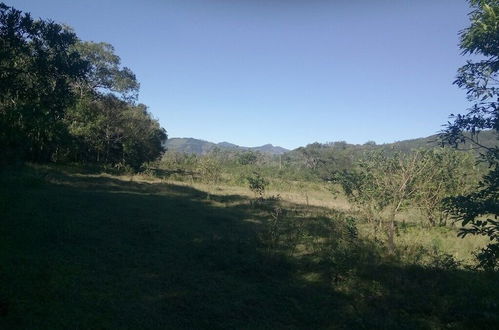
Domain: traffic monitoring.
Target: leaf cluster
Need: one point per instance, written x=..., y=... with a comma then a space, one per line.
x=478, y=210
x=257, y=183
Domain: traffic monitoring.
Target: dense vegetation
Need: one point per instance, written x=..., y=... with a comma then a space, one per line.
x=101, y=227
x=63, y=99
x=478, y=211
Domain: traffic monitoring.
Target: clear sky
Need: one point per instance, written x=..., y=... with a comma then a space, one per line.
x=287, y=72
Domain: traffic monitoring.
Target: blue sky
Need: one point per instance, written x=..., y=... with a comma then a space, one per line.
x=287, y=72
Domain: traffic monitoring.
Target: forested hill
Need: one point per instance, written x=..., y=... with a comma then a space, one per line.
x=485, y=138
x=342, y=155
x=201, y=147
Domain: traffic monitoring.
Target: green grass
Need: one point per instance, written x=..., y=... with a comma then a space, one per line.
x=97, y=252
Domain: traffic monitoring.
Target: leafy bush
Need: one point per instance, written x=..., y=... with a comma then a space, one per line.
x=210, y=170
x=257, y=184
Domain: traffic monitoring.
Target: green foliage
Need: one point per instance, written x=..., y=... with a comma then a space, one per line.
x=481, y=36
x=361, y=191
x=179, y=161
x=385, y=183
x=257, y=183
x=272, y=235
x=210, y=170
x=449, y=173
x=105, y=72
x=38, y=69
x=111, y=131
x=248, y=158
x=478, y=211
x=58, y=98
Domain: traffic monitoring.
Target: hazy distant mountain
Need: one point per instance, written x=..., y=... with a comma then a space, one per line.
x=189, y=145
x=201, y=147
x=271, y=149
x=227, y=145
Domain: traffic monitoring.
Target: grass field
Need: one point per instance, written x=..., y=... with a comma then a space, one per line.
x=95, y=251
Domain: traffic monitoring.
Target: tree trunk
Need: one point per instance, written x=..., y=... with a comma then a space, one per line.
x=432, y=220
x=391, y=231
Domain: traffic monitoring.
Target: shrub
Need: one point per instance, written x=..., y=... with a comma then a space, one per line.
x=257, y=184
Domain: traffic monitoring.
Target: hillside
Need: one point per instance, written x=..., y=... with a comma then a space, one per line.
x=201, y=147
x=485, y=138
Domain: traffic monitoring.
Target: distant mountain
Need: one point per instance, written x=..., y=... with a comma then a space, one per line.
x=227, y=145
x=189, y=145
x=271, y=149
x=201, y=147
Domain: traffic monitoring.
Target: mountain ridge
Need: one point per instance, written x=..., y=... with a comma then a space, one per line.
x=202, y=147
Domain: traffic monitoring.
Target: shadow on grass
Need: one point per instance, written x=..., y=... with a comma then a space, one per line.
x=98, y=252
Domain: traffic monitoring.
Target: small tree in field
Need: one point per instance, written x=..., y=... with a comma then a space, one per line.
x=210, y=169
x=361, y=191
x=383, y=185
x=257, y=184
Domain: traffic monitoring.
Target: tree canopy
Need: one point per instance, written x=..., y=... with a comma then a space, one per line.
x=478, y=211
x=63, y=99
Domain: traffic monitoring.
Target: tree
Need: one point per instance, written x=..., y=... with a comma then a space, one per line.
x=61, y=98
x=210, y=169
x=106, y=74
x=382, y=186
x=107, y=124
x=311, y=155
x=38, y=68
x=248, y=158
x=449, y=173
x=144, y=137
x=257, y=183
x=111, y=131
x=478, y=211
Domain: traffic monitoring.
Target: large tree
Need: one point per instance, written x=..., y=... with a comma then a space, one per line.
x=38, y=67
x=65, y=99
x=478, y=211
x=106, y=73
x=108, y=130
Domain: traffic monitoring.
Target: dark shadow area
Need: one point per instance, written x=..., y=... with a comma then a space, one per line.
x=98, y=252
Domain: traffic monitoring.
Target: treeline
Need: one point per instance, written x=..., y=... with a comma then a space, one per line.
x=66, y=100
x=321, y=158
x=333, y=163
x=231, y=166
